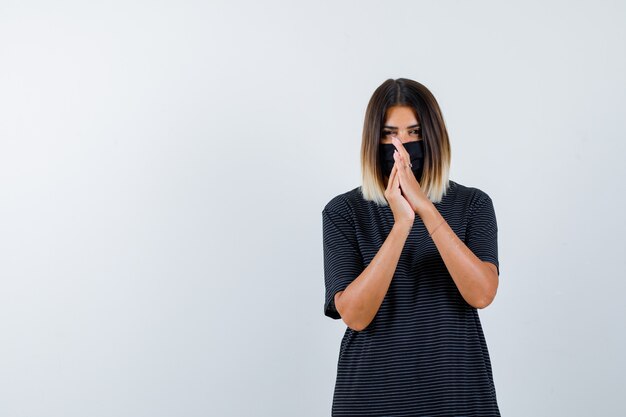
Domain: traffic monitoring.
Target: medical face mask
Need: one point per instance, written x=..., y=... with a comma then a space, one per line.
x=415, y=150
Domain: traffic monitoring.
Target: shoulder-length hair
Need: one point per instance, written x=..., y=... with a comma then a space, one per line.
x=437, y=155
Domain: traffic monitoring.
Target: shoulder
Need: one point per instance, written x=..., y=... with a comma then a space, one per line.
x=471, y=196
x=345, y=203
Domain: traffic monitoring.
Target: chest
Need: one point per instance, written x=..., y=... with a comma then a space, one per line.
x=419, y=248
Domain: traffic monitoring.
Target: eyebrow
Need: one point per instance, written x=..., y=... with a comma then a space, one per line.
x=394, y=127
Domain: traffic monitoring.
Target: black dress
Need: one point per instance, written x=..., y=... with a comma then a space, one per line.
x=424, y=353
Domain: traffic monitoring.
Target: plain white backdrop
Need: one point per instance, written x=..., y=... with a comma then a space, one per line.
x=164, y=164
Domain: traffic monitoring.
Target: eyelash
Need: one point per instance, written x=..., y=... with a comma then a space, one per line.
x=418, y=131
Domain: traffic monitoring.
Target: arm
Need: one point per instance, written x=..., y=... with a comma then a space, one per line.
x=360, y=301
x=476, y=280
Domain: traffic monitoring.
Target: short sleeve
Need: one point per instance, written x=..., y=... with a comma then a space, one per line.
x=342, y=258
x=482, y=232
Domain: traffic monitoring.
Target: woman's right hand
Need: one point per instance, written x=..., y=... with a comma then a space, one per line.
x=402, y=211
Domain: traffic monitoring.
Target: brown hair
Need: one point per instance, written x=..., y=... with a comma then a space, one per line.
x=437, y=153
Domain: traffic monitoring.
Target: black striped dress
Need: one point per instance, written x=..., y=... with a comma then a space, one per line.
x=424, y=354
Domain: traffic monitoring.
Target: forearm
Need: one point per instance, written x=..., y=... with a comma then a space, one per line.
x=360, y=301
x=474, y=279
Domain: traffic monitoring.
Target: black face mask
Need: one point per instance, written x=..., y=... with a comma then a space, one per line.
x=415, y=150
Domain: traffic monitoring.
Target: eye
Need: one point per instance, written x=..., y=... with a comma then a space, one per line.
x=417, y=131
x=387, y=133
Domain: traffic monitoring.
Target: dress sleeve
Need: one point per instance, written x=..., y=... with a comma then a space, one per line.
x=342, y=258
x=482, y=232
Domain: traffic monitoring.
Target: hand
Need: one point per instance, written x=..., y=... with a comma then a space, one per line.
x=411, y=189
x=400, y=207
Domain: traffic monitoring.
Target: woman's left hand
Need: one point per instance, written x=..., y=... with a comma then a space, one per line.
x=411, y=189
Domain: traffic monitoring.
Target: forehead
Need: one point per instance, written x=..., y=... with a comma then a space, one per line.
x=400, y=116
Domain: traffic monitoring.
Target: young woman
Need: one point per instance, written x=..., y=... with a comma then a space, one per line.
x=409, y=257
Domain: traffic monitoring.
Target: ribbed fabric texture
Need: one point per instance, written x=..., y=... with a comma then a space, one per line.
x=424, y=354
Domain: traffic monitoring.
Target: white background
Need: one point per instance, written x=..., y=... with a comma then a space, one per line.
x=164, y=164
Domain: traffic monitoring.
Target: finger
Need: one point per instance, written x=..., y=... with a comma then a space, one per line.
x=396, y=182
x=400, y=147
x=392, y=176
x=400, y=164
x=406, y=158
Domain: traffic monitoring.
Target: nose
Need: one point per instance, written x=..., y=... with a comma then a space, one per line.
x=403, y=136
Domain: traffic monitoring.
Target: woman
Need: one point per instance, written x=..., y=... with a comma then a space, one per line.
x=409, y=257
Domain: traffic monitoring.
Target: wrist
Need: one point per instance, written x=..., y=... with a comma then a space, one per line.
x=432, y=219
x=427, y=209
x=403, y=226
